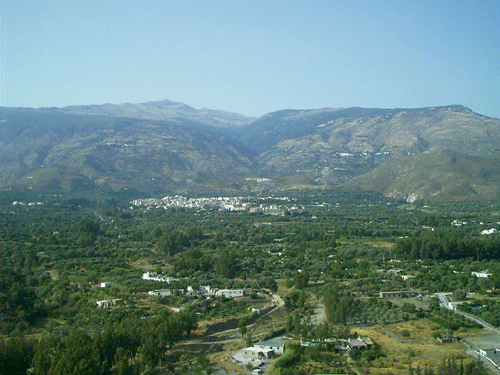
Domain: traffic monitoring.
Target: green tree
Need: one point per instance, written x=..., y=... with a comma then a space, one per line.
x=78, y=356
x=16, y=355
x=301, y=279
x=227, y=264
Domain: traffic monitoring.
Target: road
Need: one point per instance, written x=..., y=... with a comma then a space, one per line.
x=319, y=314
x=443, y=300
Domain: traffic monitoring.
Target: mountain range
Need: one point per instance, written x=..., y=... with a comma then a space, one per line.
x=437, y=153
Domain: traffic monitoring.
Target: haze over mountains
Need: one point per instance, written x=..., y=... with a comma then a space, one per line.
x=158, y=147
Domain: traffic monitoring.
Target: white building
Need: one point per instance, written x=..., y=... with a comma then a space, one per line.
x=229, y=293
x=160, y=293
x=108, y=303
x=202, y=292
x=489, y=231
x=254, y=353
x=156, y=277
x=277, y=345
x=483, y=274
x=103, y=304
x=107, y=284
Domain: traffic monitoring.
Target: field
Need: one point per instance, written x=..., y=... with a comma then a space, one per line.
x=420, y=349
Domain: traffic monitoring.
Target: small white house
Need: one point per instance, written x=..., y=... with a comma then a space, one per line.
x=103, y=304
x=489, y=231
x=108, y=303
x=277, y=345
x=483, y=274
x=160, y=293
x=107, y=284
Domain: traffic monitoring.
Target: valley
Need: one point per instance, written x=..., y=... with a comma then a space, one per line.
x=326, y=269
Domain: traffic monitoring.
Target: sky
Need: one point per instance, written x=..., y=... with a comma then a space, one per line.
x=250, y=56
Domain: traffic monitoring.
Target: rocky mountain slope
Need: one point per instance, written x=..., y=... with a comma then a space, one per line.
x=49, y=148
x=332, y=146
x=400, y=152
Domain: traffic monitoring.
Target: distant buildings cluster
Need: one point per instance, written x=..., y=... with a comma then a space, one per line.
x=21, y=203
x=459, y=223
x=223, y=203
x=204, y=291
x=261, y=352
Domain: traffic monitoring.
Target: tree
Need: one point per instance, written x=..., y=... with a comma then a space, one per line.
x=301, y=279
x=242, y=325
x=249, y=340
x=459, y=295
x=77, y=357
x=227, y=264
x=336, y=305
x=16, y=355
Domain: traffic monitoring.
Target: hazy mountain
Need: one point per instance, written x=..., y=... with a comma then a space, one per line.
x=400, y=152
x=166, y=110
x=49, y=148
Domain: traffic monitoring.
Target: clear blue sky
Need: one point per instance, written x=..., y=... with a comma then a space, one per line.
x=252, y=57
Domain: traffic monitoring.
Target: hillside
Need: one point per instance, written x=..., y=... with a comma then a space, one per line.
x=332, y=146
x=439, y=175
x=65, y=151
x=133, y=146
x=399, y=131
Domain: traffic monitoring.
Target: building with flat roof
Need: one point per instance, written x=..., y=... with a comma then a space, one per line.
x=402, y=294
x=277, y=344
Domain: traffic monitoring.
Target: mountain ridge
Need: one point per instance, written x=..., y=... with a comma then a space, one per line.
x=165, y=110
x=326, y=146
x=112, y=152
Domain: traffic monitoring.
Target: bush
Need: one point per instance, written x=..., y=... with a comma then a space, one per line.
x=405, y=333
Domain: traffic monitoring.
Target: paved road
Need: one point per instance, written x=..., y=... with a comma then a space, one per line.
x=486, y=362
x=443, y=300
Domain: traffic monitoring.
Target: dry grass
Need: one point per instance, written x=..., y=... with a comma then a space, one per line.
x=399, y=355
x=418, y=329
